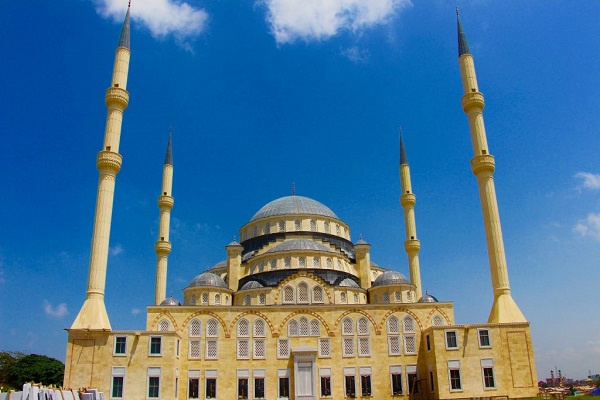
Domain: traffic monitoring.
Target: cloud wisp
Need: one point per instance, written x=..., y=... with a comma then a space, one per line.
x=589, y=227
x=161, y=17
x=115, y=250
x=311, y=20
x=56, y=312
x=589, y=180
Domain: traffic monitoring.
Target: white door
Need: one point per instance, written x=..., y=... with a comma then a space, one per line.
x=304, y=381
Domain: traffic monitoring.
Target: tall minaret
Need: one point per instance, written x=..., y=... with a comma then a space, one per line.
x=504, y=308
x=163, y=246
x=93, y=312
x=408, y=200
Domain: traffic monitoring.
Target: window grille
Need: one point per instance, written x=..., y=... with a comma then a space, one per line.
x=327, y=226
x=393, y=325
x=304, y=326
x=273, y=264
x=438, y=321
x=283, y=348
x=193, y=300
x=281, y=226
x=408, y=324
x=363, y=326
x=287, y=262
x=302, y=261
x=386, y=297
x=347, y=327
x=267, y=228
x=343, y=297
x=244, y=328
x=212, y=328
x=348, y=347
x=247, y=300
x=318, y=294
x=204, y=298
x=262, y=266
x=195, y=328
x=316, y=262
x=164, y=325
x=261, y=298
x=243, y=348
x=325, y=347
x=297, y=225
x=315, y=328
x=356, y=298
x=211, y=349
x=293, y=328
x=288, y=294
x=398, y=296
x=329, y=263
x=394, y=348
x=259, y=348
x=410, y=346
x=255, y=231
x=194, y=349
x=364, y=346
x=302, y=293
x=337, y=229
x=259, y=328
x=217, y=298
x=313, y=225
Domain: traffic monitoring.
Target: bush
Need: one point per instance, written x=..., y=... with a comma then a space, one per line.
x=36, y=368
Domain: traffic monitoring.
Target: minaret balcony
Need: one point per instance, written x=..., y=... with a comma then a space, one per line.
x=162, y=247
x=483, y=164
x=166, y=202
x=117, y=97
x=408, y=199
x=473, y=100
x=109, y=161
x=412, y=245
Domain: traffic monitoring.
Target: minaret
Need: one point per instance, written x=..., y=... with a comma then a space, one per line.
x=93, y=312
x=408, y=200
x=504, y=308
x=163, y=246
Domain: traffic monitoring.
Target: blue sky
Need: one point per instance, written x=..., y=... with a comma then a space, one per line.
x=261, y=94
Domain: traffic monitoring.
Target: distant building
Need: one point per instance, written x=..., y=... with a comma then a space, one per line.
x=296, y=310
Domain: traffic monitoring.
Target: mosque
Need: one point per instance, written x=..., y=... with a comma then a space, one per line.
x=297, y=310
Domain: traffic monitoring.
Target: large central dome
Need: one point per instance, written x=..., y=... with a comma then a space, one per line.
x=293, y=205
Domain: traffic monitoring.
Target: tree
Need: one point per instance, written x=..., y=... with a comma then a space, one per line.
x=7, y=360
x=36, y=368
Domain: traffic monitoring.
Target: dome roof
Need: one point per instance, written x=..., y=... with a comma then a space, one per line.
x=299, y=244
x=208, y=279
x=252, y=285
x=293, y=205
x=219, y=265
x=390, y=278
x=427, y=298
x=170, y=301
x=347, y=282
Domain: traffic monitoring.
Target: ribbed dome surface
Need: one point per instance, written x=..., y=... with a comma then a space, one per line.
x=170, y=302
x=208, y=279
x=293, y=205
x=299, y=244
x=252, y=285
x=390, y=278
x=427, y=298
x=347, y=282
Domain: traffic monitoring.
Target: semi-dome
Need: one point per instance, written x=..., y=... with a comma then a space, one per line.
x=299, y=244
x=390, y=278
x=427, y=298
x=208, y=279
x=252, y=285
x=293, y=205
x=347, y=282
x=170, y=301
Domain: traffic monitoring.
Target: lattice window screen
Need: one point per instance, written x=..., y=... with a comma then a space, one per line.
x=211, y=349
x=259, y=348
x=292, y=328
x=283, y=348
x=194, y=349
x=347, y=327
x=408, y=324
x=364, y=346
x=348, y=346
x=410, y=346
x=243, y=348
x=195, y=328
x=394, y=345
x=304, y=327
x=302, y=293
x=363, y=326
x=325, y=347
x=212, y=328
x=393, y=325
x=318, y=294
x=315, y=328
x=244, y=328
x=259, y=328
x=164, y=325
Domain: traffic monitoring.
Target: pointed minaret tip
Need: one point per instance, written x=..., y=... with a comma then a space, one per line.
x=169, y=155
x=403, y=159
x=463, y=46
x=124, y=39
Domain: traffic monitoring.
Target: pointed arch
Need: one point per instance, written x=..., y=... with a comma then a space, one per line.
x=400, y=310
x=361, y=312
x=212, y=314
x=277, y=295
x=439, y=311
x=309, y=312
x=162, y=315
x=253, y=312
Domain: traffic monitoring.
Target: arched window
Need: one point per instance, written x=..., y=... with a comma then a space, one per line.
x=303, y=326
x=393, y=325
x=329, y=263
x=438, y=321
x=288, y=294
x=408, y=324
x=273, y=264
x=302, y=261
x=243, y=328
x=287, y=262
x=315, y=328
x=313, y=225
x=293, y=328
x=317, y=262
x=343, y=297
x=267, y=228
x=318, y=294
x=386, y=297
x=347, y=326
x=164, y=325
x=217, y=298
x=363, y=326
x=261, y=268
x=261, y=298
x=195, y=328
x=247, y=301
x=339, y=264
x=212, y=328
x=408, y=297
x=398, y=296
x=297, y=224
x=327, y=226
x=337, y=229
x=303, y=292
x=193, y=300
x=281, y=226
x=356, y=298
x=259, y=328
x=204, y=298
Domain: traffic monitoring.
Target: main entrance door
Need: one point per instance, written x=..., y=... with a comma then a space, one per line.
x=304, y=373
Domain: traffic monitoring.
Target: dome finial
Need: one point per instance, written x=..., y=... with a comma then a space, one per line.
x=293, y=188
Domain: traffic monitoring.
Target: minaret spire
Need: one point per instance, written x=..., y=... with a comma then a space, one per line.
x=408, y=200
x=162, y=245
x=504, y=308
x=93, y=312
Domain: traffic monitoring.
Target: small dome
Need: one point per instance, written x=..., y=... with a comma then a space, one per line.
x=219, y=265
x=208, y=279
x=427, y=298
x=293, y=205
x=252, y=285
x=170, y=301
x=347, y=282
x=299, y=244
x=390, y=278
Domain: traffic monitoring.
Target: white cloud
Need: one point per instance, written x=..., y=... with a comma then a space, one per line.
x=161, y=17
x=135, y=311
x=590, y=226
x=356, y=54
x=57, y=312
x=115, y=250
x=590, y=181
x=291, y=20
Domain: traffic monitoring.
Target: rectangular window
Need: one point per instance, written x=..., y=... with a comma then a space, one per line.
x=283, y=348
x=365, y=381
x=259, y=383
x=412, y=379
x=396, y=378
x=155, y=345
x=348, y=347
x=118, y=378
x=350, y=381
x=410, y=345
x=325, y=375
x=431, y=382
x=120, y=345
x=394, y=348
x=451, y=340
x=364, y=347
x=259, y=348
x=484, y=338
x=153, y=382
x=212, y=351
x=428, y=342
x=487, y=370
x=283, y=386
x=243, y=348
x=243, y=376
x=193, y=384
x=194, y=349
x=211, y=384
x=454, y=375
x=324, y=347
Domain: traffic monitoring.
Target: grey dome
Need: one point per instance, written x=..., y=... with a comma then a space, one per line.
x=299, y=244
x=219, y=265
x=208, y=279
x=427, y=298
x=252, y=285
x=347, y=282
x=293, y=205
x=170, y=301
x=390, y=278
